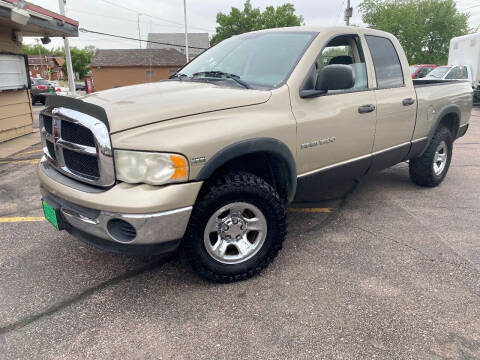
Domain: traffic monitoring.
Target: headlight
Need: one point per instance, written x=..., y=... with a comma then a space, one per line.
x=150, y=168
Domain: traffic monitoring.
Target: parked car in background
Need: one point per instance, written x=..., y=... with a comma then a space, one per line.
x=466, y=50
x=80, y=86
x=40, y=89
x=420, y=71
x=450, y=72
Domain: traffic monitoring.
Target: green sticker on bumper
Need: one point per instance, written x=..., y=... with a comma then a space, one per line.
x=50, y=214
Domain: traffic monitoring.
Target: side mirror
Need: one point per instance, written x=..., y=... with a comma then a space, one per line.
x=335, y=77
x=331, y=77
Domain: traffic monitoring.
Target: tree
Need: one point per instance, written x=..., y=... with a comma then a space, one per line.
x=34, y=49
x=251, y=19
x=423, y=27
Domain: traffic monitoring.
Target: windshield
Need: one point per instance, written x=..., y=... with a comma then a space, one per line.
x=439, y=72
x=262, y=59
x=413, y=69
x=43, y=82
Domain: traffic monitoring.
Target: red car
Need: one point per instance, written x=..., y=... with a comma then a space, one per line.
x=420, y=71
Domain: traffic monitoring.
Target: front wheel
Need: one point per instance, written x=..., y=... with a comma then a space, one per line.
x=431, y=168
x=236, y=229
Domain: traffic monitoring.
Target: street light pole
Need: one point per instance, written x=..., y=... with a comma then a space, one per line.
x=138, y=25
x=186, y=30
x=42, y=70
x=68, y=57
x=348, y=13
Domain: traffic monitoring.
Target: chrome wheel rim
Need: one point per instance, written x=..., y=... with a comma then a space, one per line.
x=440, y=158
x=235, y=233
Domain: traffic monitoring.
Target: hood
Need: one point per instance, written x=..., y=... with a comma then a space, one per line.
x=138, y=105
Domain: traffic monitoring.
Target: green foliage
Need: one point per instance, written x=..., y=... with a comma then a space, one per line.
x=34, y=49
x=251, y=19
x=81, y=59
x=423, y=27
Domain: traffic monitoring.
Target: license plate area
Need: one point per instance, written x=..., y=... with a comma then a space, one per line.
x=53, y=215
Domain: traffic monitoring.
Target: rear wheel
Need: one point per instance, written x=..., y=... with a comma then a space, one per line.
x=236, y=229
x=431, y=168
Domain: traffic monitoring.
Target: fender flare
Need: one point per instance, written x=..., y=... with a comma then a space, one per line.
x=446, y=110
x=250, y=146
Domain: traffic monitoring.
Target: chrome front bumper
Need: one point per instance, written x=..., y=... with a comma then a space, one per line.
x=149, y=229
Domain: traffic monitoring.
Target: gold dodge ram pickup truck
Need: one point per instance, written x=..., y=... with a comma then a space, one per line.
x=207, y=160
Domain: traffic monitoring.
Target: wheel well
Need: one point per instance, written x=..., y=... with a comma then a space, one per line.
x=270, y=167
x=452, y=122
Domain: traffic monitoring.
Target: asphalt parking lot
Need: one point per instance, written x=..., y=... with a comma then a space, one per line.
x=392, y=271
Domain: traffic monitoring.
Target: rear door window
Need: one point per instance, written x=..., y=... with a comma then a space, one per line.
x=388, y=69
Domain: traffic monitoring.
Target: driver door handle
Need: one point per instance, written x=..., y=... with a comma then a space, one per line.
x=366, y=108
x=407, y=102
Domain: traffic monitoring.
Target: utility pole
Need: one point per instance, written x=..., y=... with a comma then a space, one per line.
x=42, y=70
x=186, y=30
x=68, y=57
x=138, y=24
x=348, y=13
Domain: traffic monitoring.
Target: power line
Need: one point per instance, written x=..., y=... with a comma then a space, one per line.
x=114, y=17
x=137, y=39
x=471, y=7
x=151, y=16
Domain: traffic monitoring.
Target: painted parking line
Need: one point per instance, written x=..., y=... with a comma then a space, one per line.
x=21, y=219
x=29, y=161
x=311, y=210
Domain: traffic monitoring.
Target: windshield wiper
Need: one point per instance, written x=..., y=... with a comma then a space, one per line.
x=178, y=76
x=219, y=74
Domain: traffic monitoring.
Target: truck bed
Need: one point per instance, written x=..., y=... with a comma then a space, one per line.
x=433, y=96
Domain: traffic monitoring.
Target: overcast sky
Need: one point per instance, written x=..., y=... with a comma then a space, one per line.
x=117, y=17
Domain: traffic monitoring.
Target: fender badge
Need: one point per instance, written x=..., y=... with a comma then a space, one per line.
x=198, y=160
x=318, y=142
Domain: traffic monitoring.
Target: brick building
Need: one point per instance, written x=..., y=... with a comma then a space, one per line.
x=46, y=66
x=120, y=67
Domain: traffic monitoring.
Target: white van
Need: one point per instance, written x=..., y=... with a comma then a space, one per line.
x=465, y=50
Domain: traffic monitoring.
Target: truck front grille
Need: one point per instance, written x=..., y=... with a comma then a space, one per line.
x=47, y=123
x=51, y=150
x=81, y=164
x=77, y=134
x=77, y=145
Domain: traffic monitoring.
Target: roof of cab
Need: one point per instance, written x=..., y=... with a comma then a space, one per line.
x=330, y=30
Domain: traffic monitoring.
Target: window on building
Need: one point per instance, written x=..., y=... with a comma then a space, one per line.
x=35, y=67
x=386, y=62
x=150, y=73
